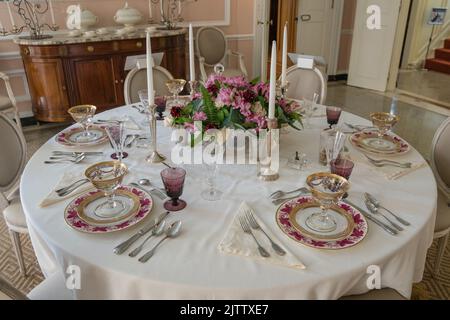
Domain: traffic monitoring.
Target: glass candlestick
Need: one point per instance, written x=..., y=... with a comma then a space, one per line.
x=193, y=87
x=267, y=173
x=155, y=156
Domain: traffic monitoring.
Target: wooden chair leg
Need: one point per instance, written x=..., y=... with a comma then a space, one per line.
x=442, y=244
x=15, y=239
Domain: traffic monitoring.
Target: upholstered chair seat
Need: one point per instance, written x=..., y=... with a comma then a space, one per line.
x=14, y=216
x=383, y=294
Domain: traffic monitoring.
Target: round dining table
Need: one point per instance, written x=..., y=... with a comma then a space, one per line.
x=191, y=266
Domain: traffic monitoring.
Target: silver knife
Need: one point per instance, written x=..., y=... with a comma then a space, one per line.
x=75, y=152
x=121, y=248
x=373, y=219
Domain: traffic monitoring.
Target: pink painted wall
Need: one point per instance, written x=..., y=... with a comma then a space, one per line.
x=240, y=31
x=345, y=47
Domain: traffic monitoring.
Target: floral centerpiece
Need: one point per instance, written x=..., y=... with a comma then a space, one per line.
x=233, y=103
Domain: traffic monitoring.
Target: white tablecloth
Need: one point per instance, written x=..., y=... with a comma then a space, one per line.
x=191, y=266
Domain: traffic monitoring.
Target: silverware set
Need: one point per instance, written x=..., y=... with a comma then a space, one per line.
x=139, y=108
x=386, y=162
x=156, y=229
x=249, y=223
x=65, y=191
x=70, y=157
x=279, y=197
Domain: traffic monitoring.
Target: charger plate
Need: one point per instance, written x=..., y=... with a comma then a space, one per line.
x=365, y=140
x=79, y=214
x=67, y=138
x=352, y=226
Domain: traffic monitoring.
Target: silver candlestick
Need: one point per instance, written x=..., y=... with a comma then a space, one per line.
x=155, y=156
x=282, y=89
x=193, y=87
x=266, y=171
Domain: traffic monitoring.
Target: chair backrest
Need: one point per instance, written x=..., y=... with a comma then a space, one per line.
x=304, y=83
x=211, y=45
x=13, y=153
x=137, y=80
x=440, y=157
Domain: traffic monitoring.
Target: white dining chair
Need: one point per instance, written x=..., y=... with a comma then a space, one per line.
x=382, y=294
x=305, y=82
x=137, y=80
x=12, y=158
x=8, y=103
x=440, y=163
x=212, y=49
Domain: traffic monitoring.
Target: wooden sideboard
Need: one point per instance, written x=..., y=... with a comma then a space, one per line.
x=64, y=75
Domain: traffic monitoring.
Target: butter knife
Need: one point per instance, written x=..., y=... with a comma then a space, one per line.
x=373, y=219
x=121, y=248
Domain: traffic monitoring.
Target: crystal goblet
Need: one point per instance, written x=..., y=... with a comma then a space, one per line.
x=116, y=135
x=333, y=115
x=384, y=122
x=160, y=102
x=83, y=115
x=175, y=87
x=173, y=179
x=328, y=189
x=107, y=177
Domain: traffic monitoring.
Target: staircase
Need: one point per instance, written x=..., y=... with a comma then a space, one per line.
x=441, y=62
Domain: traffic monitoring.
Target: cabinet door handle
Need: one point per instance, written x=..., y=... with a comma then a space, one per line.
x=121, y=81
x=139, y=44
x=90, y=48
x=64, y=88
x=117, y=81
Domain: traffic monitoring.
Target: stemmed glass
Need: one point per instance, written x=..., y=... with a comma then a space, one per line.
x=343, y=168
x=83, y=115
x=107, y=177
x=175, y=86
x=143, y=97
x=116, y=135
x=384, y=122
x=328, y=189
x=160, y=102
x=333, y=116
x=173, y=179
x=331, y=144
x=211, y=167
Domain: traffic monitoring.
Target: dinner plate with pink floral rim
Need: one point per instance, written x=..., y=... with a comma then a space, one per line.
x=65, y=137
x=362, y=141
x=74, y=217
x=284, y=219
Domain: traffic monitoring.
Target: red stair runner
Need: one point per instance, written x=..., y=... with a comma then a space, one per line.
x=441, y=62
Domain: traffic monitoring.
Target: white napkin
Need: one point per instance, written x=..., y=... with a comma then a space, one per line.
x=68, y=178
x=236, y=242
x=390, y=172
x=129, y=122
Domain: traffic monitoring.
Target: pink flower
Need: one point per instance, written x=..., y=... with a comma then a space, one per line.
x=189, y=127
x=225, y=97
x=200, y=116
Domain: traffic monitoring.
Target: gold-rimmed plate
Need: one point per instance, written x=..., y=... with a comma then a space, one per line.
x=353, y=228
x=69, y=137
x=366, y=142
x=77, y=217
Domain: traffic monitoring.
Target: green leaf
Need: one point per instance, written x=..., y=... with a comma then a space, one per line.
x=255, y=81
x=209, y=108
x=197, y=105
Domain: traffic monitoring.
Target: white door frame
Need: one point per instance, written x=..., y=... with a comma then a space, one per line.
x=261, y=42
x=335, y=38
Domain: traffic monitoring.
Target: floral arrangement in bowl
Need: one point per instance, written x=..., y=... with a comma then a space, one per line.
x=233, y=103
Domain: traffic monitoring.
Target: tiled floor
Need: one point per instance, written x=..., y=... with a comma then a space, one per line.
x=430, y=84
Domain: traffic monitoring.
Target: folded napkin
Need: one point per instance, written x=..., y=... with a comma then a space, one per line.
x=236, y=242
x=390, y=172
x=68, y=178
x=129, y=122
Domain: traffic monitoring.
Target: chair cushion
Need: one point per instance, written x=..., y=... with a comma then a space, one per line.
x=443, y=213
x=14, y=215
x=383, y=294
x=5, y=103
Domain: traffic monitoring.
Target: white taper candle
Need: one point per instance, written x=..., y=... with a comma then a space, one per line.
x=191, y=53
x=150, y=11
x=13, y=23
x=51, y=11
x=284, y=61
x=151, y=93
x=273, y=81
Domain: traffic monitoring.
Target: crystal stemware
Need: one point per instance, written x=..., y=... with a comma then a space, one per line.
x=83, y=115
x=331, y=145
x=343, y=168
x=328, y=189
x=175, y=87
x=211, y=167
x=107, y=177
x=143, y=97
x=333, y=115
x=116, y=135
x=384, y=122
x=160, y=102
x=173, y=179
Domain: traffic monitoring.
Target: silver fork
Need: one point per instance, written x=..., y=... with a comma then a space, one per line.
x=244, y=225
x=255, y=226
x=383, y=161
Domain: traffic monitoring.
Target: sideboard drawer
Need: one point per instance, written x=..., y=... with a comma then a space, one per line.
x=91, y=48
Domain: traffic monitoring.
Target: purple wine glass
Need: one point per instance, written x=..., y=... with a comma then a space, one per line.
x=160, y=102
x=343, y=168
x=333, y=115
x=173, y=179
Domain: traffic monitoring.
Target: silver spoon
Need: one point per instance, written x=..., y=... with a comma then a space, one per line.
x=375, y=211
x=148, y=183
x=279, y=194
x=75, y=160
x=159, y=230
x=280, y=201
x=377, y=204
x=172, y=232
